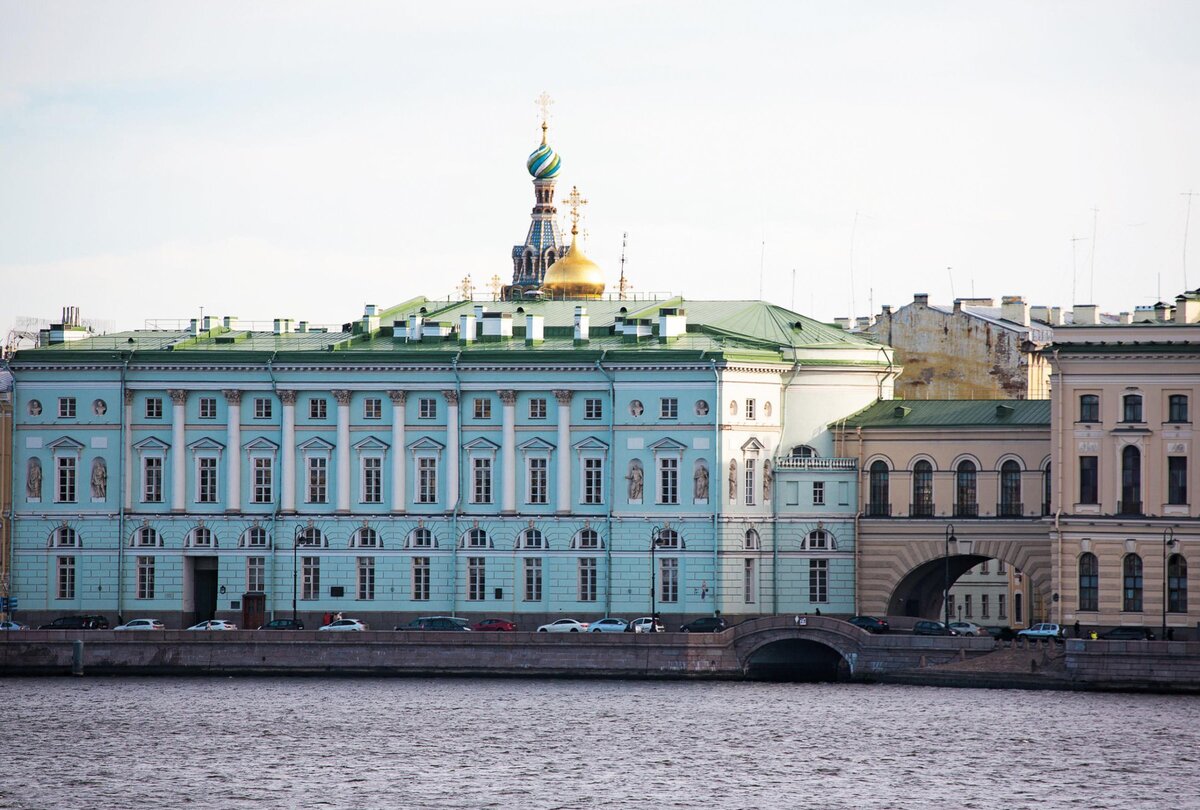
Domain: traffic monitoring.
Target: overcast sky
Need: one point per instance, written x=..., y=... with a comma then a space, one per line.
x=299, y=159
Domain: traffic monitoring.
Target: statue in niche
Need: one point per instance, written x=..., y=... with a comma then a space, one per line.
x=635, y=407
x=700, y=482
x=99, y=478
x=35, y=407
x=768, y=480
x=701, y=408
x=635, y=480
x=33, y=478
x=733, y=481
x=100, y=407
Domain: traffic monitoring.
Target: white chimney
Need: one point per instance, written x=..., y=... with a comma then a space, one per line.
x=1125, y=317
x=672, y=323
x=370, y=319
x=535, y=328
x=581, y=325
x=1056, y=316
x=1086, y=315
x=497, y=325
x=207, y=323
x=414, y=327
x=1187, y=308
x=1013, y=308
x=230, y=322
x=194, y=327
x=466, y=328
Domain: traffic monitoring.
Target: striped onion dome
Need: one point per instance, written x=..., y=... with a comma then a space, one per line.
x=544, y=163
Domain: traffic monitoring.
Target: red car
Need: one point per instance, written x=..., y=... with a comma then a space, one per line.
x=498, y=625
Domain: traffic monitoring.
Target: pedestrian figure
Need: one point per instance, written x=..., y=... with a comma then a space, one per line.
x=1077, y=633
x=818, y=611
x=325, y=619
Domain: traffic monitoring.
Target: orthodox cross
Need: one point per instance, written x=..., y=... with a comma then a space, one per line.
x=575, y=201
x=467, y=288
x=544, y=103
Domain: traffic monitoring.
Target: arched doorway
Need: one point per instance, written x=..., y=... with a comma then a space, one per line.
x=797, y=661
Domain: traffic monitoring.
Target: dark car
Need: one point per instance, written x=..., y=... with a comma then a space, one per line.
x=450, y=623
x=1128, y=634
x=705, y=624
x=283, y=624
x=1001, y=633
x=927, y=628
x=871, y=624
x=494, y=626
x=77, y=623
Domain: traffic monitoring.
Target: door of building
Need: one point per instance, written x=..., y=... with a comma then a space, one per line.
x=254, y=610
x=204, y=588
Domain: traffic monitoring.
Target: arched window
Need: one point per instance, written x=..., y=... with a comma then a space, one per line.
x=476, y=538
x=1132, y=573
x=202, y=537
x=1131, y=481
x=1010, y=489
x=421, y=538
x=528, y=263
x=751, y=540
x=1177, y=584
x=669, y=538
x=310, y=536
x=1132, y=410
x=146, y=536
x=255, y=537
x=922, y=484
x=65, y=537
x=1046, y=489
x=532, y=538
x=803, y=450
x=366, y=538
x=1089, y=582
x=820, y=540
x=588, y=539
x=879, y=504
x=966, y=502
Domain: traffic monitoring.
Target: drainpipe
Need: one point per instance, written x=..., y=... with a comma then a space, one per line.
x=125, y=358
x=457, y=505
x=612, y=478
x=275, y=512
x=1058, y=465
x=6, y=518
x=714, y=485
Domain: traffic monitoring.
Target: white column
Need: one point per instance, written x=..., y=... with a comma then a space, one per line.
x=508, y=452
x=563, y=496
x=233, y=451
x=178, y=455
x=452, y=448
x=398, y=449
x=128, y=450
x=343, y=450
x=287, y=491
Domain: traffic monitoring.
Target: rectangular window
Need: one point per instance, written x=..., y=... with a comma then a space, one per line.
x=1000, y=567
x=256, y=574
x=1001, y=606
x=208, y=407
x=533, y=579
x=366, y=577
x=1089, y=491
x=1177, y=408
x=749, y=581
x=145, y=577
x=537, y=408
x=593, y=409
x=311, y=577
x=65, y=491
x=1089, y=408
x=483, y=408
x=668, y=408
x=843, y=493
x=152, y=480
x=668, y=480
x=318, y=480
x=66, y=407
x=1132, y=408
x=476, y=579
x=968, y=607
x=818, y=493
x=262, y=408
x=206, y=479
x=372, y=408
x=420, y=579
x=593, y=480
x=263, y=485
x=537, y=475
x=1177, y=489
x=791, y=493
x=427, y=408
x=372, y=479
x=984, y=567
x=985, y=609
x=154, y=408
x=481, y=480
x=818, y=580
x=750, y=482
x=66, y=577
x=668, y=579
x=587, y=579
x=318, y=408
x=750, y=409
x=427, y=480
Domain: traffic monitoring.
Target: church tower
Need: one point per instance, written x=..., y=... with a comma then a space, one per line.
x=544, y=243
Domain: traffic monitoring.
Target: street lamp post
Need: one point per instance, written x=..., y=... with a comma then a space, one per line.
x=1168, y=540
x=946, y=576
x=295, y=557
x=655, y=539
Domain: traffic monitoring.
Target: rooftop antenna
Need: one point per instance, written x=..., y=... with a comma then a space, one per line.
x=950, y=273
x=853, y=234
x=1074, y=239
x=762, y=256
x=1186, y=221
x=793, y=289
x=1092, y=280
x=623, y=284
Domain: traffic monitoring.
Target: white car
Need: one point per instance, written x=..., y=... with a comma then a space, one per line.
x=214, y=624
x=1042, y=631
x=9, y=624
x=349, y=625
x=142, y=624
x=564, y=626
x=608, y=624
x=647, y=624
x=968, y=629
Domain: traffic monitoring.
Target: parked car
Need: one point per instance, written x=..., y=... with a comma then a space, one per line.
x=283, y=624
x=1043, y=630
x=9, y=624
x=214, y=624
x=351, y=625
x=1128, y=634
x=141, y=624
x=494, y=626
x=871, y=624
x=968, y=629
x=609, y=624
x=1001, y=633
x=928, y=628
x=705, y=624
x=647, y=624
x=89, y=622
x=451, y=623
x=564, y=626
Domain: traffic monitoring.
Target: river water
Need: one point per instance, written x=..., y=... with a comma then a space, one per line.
x=451, y=743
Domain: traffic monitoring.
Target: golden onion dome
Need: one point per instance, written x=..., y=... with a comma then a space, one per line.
x=574, y=275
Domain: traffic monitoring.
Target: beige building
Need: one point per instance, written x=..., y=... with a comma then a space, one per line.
x=6, y=489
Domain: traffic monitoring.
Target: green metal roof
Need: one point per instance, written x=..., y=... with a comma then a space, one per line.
x=924, y=413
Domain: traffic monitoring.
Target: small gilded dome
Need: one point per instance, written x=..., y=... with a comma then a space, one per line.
x=544, y=162
x=574, y=276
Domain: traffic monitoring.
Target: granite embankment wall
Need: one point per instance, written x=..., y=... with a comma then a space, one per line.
x=1126, y=665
